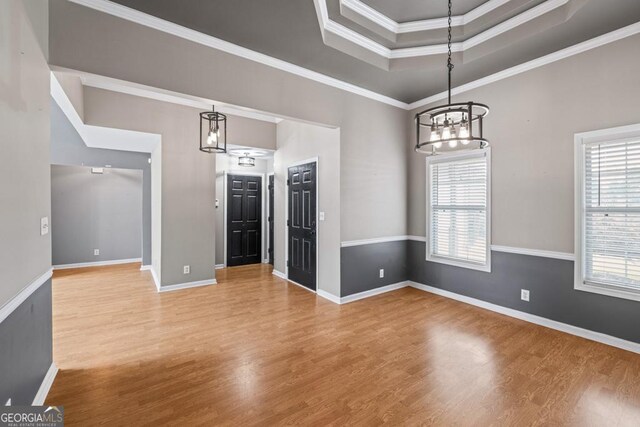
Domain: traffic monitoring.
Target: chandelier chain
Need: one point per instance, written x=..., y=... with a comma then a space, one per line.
x=449, y=63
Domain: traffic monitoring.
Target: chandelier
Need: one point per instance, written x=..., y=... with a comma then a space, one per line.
x=213, y=131
x=246, y=161
x=454, y=126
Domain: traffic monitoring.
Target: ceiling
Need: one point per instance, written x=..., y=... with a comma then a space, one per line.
x=292, y=30
x=414, y=10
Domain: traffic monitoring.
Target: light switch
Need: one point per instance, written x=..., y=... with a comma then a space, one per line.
x=321, y=216
x=44, y=226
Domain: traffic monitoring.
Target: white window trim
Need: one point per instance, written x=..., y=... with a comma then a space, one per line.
x=617, y=134
x=448, y=261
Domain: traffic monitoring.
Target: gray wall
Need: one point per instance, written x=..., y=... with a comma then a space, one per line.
x=68, y=148
x=25, y=336
x=188, y=176
x=95, y=211
x=298, y=142
x=26, y=350
x=534, y=116
x=550, y=282
x=360, y=266
x=373, y=197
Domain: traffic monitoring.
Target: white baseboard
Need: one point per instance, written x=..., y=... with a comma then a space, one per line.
x=219, y=266
x=187, y=285
x=532, y=318
x=97, y=263
x=373, y=292
x=279, y=274
x=47, y=382
x=329, y=296
x=145, y=267
x=25, y=293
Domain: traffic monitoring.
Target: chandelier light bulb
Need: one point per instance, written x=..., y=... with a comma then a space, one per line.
x=212, y=138
x=453, y=144
x=446, y=130
x=435, y=133
x=437, y=144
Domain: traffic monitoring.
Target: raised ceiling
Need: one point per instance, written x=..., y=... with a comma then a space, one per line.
x=293, y=31
x=413, y=10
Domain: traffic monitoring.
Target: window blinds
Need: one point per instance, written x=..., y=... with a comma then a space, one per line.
x=612, y=214
x=458, y=197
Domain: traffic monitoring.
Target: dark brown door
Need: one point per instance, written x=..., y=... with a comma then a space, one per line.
x=271, y=209
x=244, y=211
x=301, y=224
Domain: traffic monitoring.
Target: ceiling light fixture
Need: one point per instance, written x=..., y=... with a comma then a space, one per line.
x=465, y=116
x=246, y=161
x=213, y=131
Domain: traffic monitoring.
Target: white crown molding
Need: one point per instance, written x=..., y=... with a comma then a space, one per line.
x=532, y=318
x=149, y=21
x=349, y=243
x=389, y=24
x=45, y=386
x=97, y=263
x=326, y=24
x=167, y=27
x=596, y=42
x=179, y=286
x=144, y=91
x=23, y=295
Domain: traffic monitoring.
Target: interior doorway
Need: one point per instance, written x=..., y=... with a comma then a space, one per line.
x=244, y=219
x=302, y=224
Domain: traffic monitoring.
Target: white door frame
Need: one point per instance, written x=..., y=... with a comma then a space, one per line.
x=266, y=260
x=262, y=210
x=286, y=219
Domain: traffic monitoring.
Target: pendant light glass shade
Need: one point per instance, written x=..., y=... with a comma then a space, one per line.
x=462, y=122
x=213, y=132
x=246, y=161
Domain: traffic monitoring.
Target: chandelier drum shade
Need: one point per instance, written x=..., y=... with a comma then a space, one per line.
x=246, y=161
x=213, y=132
x=452, y=126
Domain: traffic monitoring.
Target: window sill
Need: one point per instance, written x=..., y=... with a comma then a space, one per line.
x=617, y=293
x=455, y=263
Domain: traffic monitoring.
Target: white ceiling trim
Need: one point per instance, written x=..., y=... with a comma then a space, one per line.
x=389, y=24
x=149, y=21
x=164, y=26
x=326, y=24
x=129, y=88
x=103, y=137
x=602, y=40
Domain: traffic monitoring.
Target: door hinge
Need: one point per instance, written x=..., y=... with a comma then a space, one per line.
x=288, y=223
x=288, y=182
x=268, y=219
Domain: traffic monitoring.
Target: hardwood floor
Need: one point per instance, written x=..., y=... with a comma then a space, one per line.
x=255, y=350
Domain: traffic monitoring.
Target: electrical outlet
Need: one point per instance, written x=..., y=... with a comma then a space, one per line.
x=8, y=402
x=524, y=295
x=186, y=269
x=381, y=273
x=96, y=252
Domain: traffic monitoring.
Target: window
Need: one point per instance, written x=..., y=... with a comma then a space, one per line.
x=608, y=208
x=458, y=210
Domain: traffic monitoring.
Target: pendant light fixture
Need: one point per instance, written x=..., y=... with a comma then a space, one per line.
x=213, y=131
x=246, y=161
x=456, y=126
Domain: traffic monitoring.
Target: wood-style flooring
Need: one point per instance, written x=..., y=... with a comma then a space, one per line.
x=256, y=350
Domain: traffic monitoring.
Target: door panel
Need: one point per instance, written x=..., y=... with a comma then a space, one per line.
x=244, y=225
x=302, y=224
